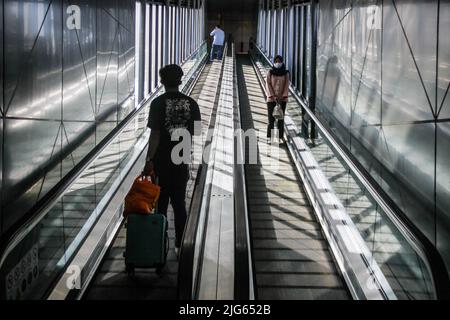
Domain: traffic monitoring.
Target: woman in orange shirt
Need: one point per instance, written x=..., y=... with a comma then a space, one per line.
x=277, y=86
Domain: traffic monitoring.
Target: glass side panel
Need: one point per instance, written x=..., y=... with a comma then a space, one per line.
x=35, y=263
x=402, y=267
x=404, y=270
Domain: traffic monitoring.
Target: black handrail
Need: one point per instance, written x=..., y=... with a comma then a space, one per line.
x=187, y=252
x=243, y=275
x=20, y=229
x=422, y=245
x=186, y=283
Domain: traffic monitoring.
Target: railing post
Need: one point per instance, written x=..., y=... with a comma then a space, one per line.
x=313, y=66
x=141, y=71
x=305, y=123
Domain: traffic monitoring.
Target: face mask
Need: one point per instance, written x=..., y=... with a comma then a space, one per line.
x=278, y=65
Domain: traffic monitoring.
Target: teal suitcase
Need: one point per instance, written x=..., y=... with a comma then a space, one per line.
x=147, y=242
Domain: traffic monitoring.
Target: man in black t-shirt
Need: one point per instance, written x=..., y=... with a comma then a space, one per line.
x=172, y=118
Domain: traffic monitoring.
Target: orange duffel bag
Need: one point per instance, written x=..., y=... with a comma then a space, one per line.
x=143, y=197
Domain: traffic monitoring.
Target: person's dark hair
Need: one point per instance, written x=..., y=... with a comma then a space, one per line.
x=171, y=75
x=278, y=57
x=218, y=26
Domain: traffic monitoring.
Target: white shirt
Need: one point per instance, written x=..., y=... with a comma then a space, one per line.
x=219, y=37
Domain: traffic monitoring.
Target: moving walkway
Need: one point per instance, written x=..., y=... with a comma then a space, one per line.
x=291, y=256
x=110, y=281
x=275, y=226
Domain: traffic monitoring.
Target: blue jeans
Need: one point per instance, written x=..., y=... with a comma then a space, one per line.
x=216, y=49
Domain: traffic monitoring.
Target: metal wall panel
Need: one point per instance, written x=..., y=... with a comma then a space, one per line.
x=409, y=157
x=33, y=59
x=127, y=56
x=69, y=85
x=125, y=75
x=29, y=146
x=334, y=69
x=79, y=86
x=1, y=64
x=107, y=67
x=126, y=14
x=404, y=97
x=385, y=64
x=1, y=113
x=444, y=62
x=366, y=82
x=443, y=134
x=80, y=55
x=419, y=21
x=78, y=139
x=110, y=7
x=61, y=88
x=366, y=66
x=1, y=174
x=443, y=191
x=32, y=37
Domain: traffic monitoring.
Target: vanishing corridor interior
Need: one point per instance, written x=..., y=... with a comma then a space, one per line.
x=356, y=208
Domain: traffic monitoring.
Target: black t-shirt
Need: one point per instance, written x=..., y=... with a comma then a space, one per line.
x=168, y=113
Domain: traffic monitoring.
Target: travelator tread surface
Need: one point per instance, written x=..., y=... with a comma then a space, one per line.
x=291, y=257
x=111, y=282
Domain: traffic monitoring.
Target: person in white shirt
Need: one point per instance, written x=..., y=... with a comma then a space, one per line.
x=218, y=43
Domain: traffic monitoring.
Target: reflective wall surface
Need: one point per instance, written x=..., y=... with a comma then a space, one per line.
x=71, y=78
x=68, y=81
x=383, y=78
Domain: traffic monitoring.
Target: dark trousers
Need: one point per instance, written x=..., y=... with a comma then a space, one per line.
x=173, y=182
x=270, y=107
x=216, y=50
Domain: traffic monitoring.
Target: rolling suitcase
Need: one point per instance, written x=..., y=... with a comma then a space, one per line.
x=147, y=242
